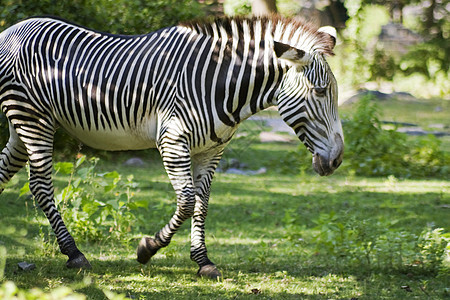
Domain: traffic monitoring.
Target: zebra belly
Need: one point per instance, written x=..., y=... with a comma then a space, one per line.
x=116, y=139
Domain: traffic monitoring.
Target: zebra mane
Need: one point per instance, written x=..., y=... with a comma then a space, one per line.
x=294, y=32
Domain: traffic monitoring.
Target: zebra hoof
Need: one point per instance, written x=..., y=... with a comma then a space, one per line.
x=79, y=262
x=209, y=271
x=146, y=249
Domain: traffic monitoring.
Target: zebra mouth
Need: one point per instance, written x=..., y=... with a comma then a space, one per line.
x=322, y=165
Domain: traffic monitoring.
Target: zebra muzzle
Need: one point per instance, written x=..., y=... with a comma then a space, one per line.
x=325, y=163
x=325, y=166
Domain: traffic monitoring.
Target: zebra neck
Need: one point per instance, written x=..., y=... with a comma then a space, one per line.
x=237, y=75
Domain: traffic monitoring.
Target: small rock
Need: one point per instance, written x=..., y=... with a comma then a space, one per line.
x=234, y=163
x=235, y=171
x=134, y=162
x=26, y=266
x=226, y=164
x=258, y=172
x=403, y=96
x=406, y=288
x=246, y=172
x=437, y=126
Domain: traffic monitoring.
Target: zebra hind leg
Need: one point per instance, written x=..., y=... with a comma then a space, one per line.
x=12, y=158
x=198, y=247
x=42, y=189
x=185, y=208
x=40, y=149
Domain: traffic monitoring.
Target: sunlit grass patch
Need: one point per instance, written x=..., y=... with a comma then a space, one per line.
x=274, y=235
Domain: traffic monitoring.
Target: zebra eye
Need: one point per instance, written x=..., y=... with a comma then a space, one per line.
x=319, y=91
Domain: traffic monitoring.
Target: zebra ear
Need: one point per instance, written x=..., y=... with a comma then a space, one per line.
x=331, y=32
x=291, y=54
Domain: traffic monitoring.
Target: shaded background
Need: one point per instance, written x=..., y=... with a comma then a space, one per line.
x=395, y=49
x=391, y=44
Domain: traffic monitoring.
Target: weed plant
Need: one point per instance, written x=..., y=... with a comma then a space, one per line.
x=378, y=246
x=96, y=206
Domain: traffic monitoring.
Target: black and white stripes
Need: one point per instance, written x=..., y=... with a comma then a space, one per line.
x=183, y=89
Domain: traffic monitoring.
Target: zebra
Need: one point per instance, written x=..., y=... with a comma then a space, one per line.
x=182, y=89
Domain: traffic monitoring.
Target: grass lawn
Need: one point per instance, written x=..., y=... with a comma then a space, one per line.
x=272, y=236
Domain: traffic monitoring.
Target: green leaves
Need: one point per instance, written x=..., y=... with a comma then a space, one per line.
x=371, y=150
x=64, y=167
x=25, y=189
x=97, y=205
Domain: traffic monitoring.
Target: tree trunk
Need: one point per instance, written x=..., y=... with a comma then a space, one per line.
x=264, y=7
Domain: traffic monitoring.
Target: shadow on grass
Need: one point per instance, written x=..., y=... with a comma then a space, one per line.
x=281, y=275
x=163, y=279
x=245, y=223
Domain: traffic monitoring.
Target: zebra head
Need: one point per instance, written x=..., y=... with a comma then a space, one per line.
x=307, y=102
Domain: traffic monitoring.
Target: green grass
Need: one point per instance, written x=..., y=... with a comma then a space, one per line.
x=423, y=113
x=263, y=232
x=273, y=236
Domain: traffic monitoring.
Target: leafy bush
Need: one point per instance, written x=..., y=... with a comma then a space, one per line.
x=138, y=17
x=238, y=7
x=9, y=290
x=383, y=66
x=120, y=16
x=369, y=149
x=372, y=150
x=293, y=162
x=95, y=205
x=426, y=158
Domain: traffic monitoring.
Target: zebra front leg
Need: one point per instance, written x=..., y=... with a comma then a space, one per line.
x=203, y=167
x=40, y=148
x=177, y=162
x=198, y=246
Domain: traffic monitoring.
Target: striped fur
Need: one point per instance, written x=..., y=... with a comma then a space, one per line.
x=183, y=89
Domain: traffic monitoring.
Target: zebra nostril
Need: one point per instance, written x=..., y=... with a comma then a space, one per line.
x=336, y=163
